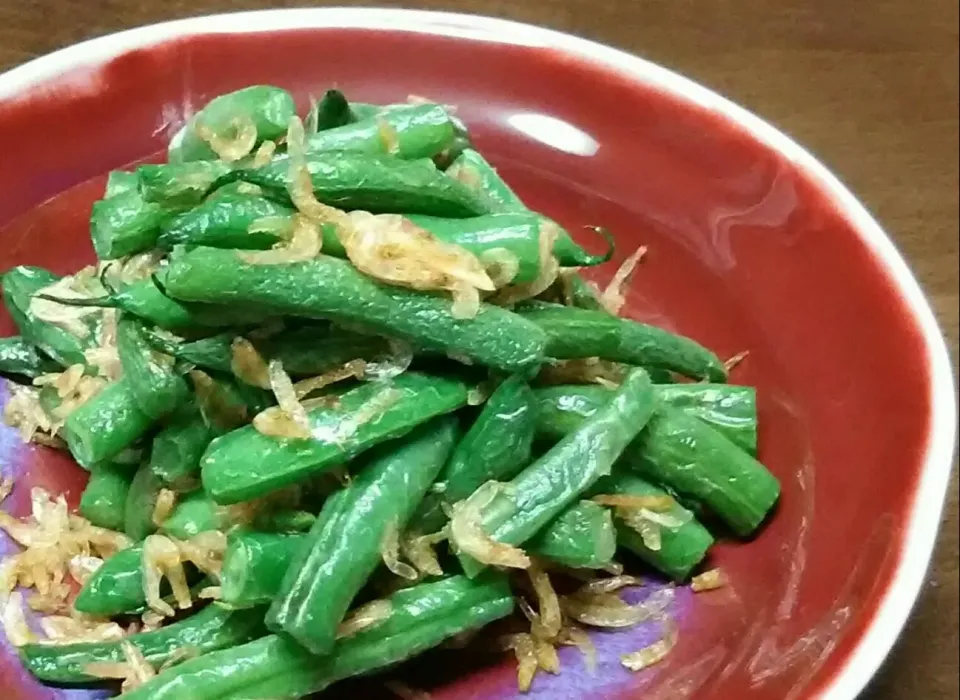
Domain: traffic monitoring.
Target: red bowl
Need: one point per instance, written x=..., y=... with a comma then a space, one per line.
x=753, y=245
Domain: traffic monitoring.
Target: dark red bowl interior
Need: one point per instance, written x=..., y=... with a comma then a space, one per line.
x=745, y=253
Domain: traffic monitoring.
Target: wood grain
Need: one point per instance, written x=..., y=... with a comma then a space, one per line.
x=871, y=87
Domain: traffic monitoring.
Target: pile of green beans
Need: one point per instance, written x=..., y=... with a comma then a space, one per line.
x=438, y=415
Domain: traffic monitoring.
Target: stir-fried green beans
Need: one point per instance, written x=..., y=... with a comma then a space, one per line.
x=307, y=377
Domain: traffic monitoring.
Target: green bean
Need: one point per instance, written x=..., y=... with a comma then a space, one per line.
x=141, y=501
x=211, y=629
x=21, y=359
x=156, y=386
x=105, y=496
x=728, y=408
x=120, y=181
x=345, y=543
x=681, y=547
x=680, y=449
x=409, y=132
x=304, y=352
x=549, y=485
x=254, y=566
x=226, y=403
x=20, y=284
x=116, y=588
x=496, y=446
x=224, y=222
x=688, y=455
x=518, y=233
x=577, y=333
x=245, y=463
x=331, y=111
x=421, y=618
x=582, y=537
x=269, y=108
x=193, y=513
x=475, y=171
x=177, y=186
x=327, y=287
x=106, y=425
x=125, y=224
x=371, y=182
x=575, y=291
x=177, y=449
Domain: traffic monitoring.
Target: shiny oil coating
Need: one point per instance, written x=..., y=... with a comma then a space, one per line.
x=244, y=464
x=345, y=542
x=269, y=108
x=177, y=449
x=20, y=358
x=223, y=221
x=415, y=131
x=729, y=408
x=582, y=536
x=116, y=588
x=145, y=300
x=125, y=224
x=688, y=455
x=331, y=288
x=496, y=446
x=105, y=496
x=106, y=425
x=180, y=185
x=254, y=565
x=212, y=628
x=371, y=182
x=157, y=387
x=19, y=286
x=544, y=489
x=681, y=548
x=421, y=617
x=577, y=333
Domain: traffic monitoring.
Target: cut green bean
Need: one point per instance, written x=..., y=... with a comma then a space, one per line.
x=177, y=186
x=104, y=499
x=370, y=182
x=116, y=588
x=475, y=171
x=582, y=537
x=331, y=288
x=120, y=181
x=157, y=387
x=685, y=453
x=125, y=224
x=268, y=108
x=577, y=333
x=106, y=425
x=211, y=629
x=681, y=547
x=346, y=542
x=526, y=504
x=141, y=502
x=225, y=222
x=19, y=358
x=177, y=449
x=410, y=132
x=518, y=233
x=681, y=450
x=20, y=284
x=728, y=408
x=496, y=446
x=254, y=566
x=421, y=618
x=245, y=463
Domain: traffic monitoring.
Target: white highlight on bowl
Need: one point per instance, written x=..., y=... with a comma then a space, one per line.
x=555, y=133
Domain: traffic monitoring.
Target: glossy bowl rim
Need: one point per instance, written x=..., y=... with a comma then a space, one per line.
x=899, y=598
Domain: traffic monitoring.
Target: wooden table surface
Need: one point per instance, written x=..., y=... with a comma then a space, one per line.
x=871, y=87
